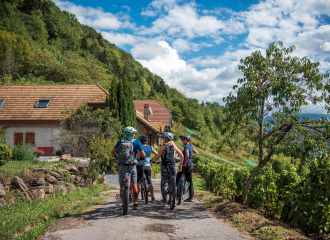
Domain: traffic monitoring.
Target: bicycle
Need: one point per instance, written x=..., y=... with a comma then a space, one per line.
x=171, y=186
x=183, y=187
x=144, y=187
x=127, y=189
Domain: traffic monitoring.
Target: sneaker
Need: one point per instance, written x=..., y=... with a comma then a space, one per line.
x=189, y=200
x=136, y=206
x=153, y=200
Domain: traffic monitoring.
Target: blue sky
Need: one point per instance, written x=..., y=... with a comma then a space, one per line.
x=195, y=46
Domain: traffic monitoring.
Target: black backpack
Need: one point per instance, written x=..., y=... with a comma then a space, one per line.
x=168, y=155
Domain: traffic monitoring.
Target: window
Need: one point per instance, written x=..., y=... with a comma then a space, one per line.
x=2, y=101
x=30, y=137
x=18, y=138
x=42, y=103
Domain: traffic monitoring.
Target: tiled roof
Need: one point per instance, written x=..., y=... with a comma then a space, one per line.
x=21, y=99
x=155, y=126
x=160, y=112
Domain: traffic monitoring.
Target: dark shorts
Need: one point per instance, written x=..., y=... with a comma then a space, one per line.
x=147, y=172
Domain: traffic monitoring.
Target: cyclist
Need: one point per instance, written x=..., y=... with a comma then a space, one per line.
x=166, y=153
x=137, y=148
x=187, y=152
x=144, y=165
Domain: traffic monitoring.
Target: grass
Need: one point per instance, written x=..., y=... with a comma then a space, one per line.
x=250, y=221
x=29, y=219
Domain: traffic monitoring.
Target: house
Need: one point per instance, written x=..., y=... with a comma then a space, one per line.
x=33, y=113
x=153, y=119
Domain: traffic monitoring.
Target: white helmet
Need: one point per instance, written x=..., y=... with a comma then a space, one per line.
x=129, y=130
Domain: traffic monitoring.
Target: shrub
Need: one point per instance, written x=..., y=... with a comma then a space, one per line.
x=23, y=152
x=67, y=177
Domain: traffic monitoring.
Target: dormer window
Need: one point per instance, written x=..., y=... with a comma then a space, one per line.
x=2, y=101
x=42, y=103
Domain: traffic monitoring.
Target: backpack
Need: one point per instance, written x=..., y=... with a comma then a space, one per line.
x=125, y=151
x=168, y=155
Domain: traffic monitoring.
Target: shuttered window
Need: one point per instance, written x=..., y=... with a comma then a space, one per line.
x=30, y=137
x=18, y=138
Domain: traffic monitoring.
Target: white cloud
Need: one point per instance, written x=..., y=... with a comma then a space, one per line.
x=121, y=39
x=96, y=17
x=157, y=6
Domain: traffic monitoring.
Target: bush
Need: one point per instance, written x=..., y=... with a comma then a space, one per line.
x=67, y=177
x=23, y=152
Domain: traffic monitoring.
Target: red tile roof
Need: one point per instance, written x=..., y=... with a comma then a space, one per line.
x=155, y=126
x=21, y=99
x=160, y=112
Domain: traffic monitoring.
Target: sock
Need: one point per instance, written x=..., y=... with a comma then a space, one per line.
x=135, y=202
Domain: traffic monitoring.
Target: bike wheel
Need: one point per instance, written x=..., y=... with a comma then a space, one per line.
x=145, y=193
x=171, y=195
x=142, y=190
x=126, y=196
x=180, y=192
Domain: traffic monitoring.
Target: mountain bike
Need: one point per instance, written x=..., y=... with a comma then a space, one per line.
x=144, y=187
x=127, y=188
x=183, y=186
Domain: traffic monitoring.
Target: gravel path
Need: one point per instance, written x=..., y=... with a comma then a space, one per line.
x=152, y=221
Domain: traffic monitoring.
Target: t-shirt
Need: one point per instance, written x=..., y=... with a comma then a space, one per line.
x=190, y=149
x=147, y=150
x=137, y=146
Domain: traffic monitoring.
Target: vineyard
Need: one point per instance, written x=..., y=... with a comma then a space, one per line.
x=302, y=202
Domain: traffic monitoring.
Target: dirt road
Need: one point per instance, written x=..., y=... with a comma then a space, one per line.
x=152, y=221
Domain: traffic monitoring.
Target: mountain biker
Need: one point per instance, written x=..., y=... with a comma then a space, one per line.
x=144, y=165
x=187, y=152
x=166, y=153
x=137, y=148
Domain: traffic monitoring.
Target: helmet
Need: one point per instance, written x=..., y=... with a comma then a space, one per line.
x=168, y=135
x=129, y=130
x=143, y=138
x=186, y=136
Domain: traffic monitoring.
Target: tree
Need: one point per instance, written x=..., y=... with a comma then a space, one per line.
x=113, y=99
x=267, y=105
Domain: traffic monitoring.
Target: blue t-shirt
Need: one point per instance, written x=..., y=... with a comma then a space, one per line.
x=190, y=149
x=147, y=150
x=137, y=146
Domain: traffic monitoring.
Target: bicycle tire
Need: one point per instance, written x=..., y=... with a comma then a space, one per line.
x=145, y=190
x=180, y=192
x=126, y=196
x=171, y=194
x=142, y=190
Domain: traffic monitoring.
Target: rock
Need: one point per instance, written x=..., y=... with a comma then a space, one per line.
x=51, y=179
x=49, y=189
x=6, y=182
x=66, y=157
x=46, y=218
x=80, y=180
x=25, y=195
x=2, y=202
x=27, y=228
x=72, y=168
x=71, y=187
x=56, y=175
x=60, y=183
x=38, y=193
x=38, y=182
x=42, y=170
x=61, y=188
x=82, y=169
x=19, y=184
x=11, y=200
x=2, y=190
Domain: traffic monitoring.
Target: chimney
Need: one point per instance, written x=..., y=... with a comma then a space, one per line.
x=146, y=111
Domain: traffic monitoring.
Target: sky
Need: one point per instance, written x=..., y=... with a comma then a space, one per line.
x=196, y=46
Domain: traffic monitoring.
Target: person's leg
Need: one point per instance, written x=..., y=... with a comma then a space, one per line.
x=189, y=179
x=147, y=172
x=134, y=185
x=174, y=181
x=139, y=177
x=164, y=175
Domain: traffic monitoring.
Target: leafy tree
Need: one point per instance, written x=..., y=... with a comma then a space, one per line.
x=267, y=105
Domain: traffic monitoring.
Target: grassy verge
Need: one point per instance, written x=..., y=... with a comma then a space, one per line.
x=248, y=220
x=29, y=219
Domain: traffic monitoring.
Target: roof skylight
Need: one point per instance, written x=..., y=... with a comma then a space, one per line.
x=2, y=101
x=42, y=103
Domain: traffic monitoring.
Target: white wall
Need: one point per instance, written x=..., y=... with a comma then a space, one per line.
x=44, y=134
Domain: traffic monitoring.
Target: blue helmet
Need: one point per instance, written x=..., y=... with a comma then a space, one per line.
x=186, y=136
x=168, y=135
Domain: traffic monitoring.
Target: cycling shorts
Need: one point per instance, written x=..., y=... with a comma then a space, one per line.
x=147, y=172
x=122, y=168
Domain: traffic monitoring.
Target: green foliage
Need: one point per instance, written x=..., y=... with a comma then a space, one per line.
x=23, y=152
x=67, y=177
x=5, y=150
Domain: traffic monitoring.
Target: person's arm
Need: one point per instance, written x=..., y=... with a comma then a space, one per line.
x=158, y=154
x=177, y=150
x=113, y=152
x=186, y=151
x=141, y=154
x=154, y=151
x=195, y=152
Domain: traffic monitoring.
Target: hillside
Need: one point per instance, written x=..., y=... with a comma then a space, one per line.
x=40, y=44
